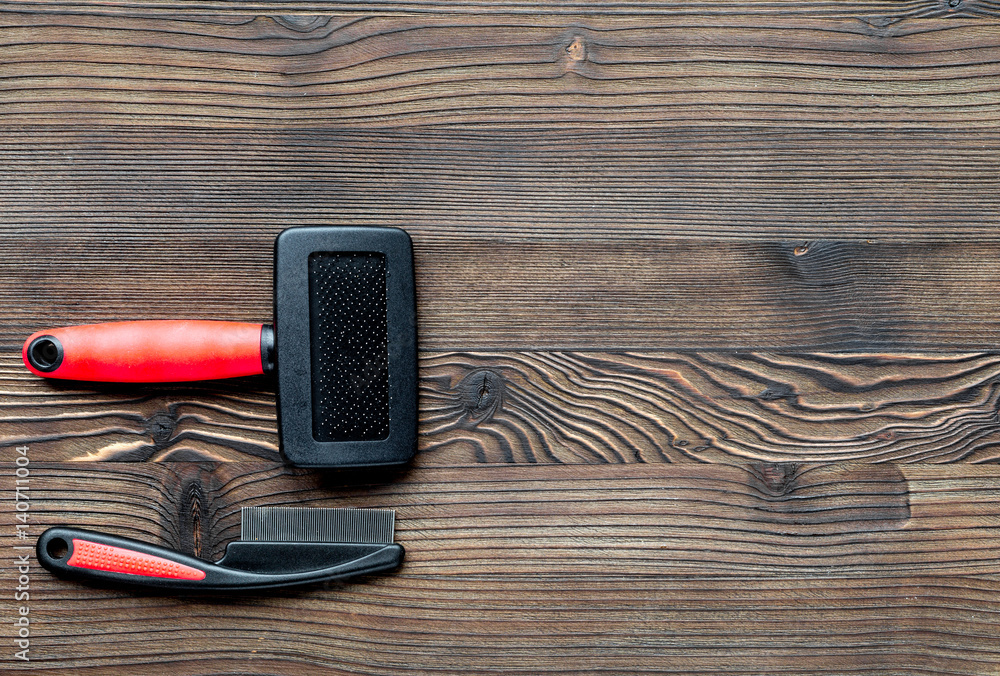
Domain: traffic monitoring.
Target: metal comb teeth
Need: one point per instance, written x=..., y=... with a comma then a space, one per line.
x=313, y=524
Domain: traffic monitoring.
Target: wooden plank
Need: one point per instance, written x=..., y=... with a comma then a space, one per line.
x=473, y=69
x=654, y=407
x=620, y=294
x=499, y=625
x=563, y=408
x=707, y=569
x=880, y=13
x=623, y=294
x=148, y=185
x=299, y=13
x=770, y=519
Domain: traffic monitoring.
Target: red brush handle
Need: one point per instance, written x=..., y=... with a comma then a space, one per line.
x=147, y=351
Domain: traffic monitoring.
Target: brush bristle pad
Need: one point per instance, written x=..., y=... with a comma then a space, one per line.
x=349, y=346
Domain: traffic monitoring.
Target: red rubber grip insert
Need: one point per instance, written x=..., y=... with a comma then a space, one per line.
x=94, y=556
x=154, y=351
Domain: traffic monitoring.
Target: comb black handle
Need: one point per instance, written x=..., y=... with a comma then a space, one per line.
x=110, y=560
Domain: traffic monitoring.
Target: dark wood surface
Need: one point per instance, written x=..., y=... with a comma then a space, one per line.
x=709, y=366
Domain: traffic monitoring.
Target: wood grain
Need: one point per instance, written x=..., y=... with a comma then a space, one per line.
x=564, y=408
x=301, y=13
x=708, y=569
x=618, y=294
x=298, y=12
x=674, y=263
x=499, y=625
x=708, y=407
x=181, y=190
x=774, y=519
x=854, y=72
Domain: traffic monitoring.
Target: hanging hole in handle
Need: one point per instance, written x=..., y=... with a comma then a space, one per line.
x=45, y=353
x=57, y=548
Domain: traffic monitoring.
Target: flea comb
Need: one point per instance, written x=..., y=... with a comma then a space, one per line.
x=278, y=547
x=343, y=345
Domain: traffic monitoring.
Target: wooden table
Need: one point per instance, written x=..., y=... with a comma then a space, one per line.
x=708, y=324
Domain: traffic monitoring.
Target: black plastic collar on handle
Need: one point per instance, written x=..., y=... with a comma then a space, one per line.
x=267, y=359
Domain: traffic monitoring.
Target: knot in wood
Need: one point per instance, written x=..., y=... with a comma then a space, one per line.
x=880, y=26
x=480, y=395
x=301, y=23
x=577, y=49
x=161, y=428
x=797, y=499
x=191, y=518
x=777, y=478
x=777, y=391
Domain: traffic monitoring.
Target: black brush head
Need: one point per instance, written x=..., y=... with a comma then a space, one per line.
x=345, y=339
